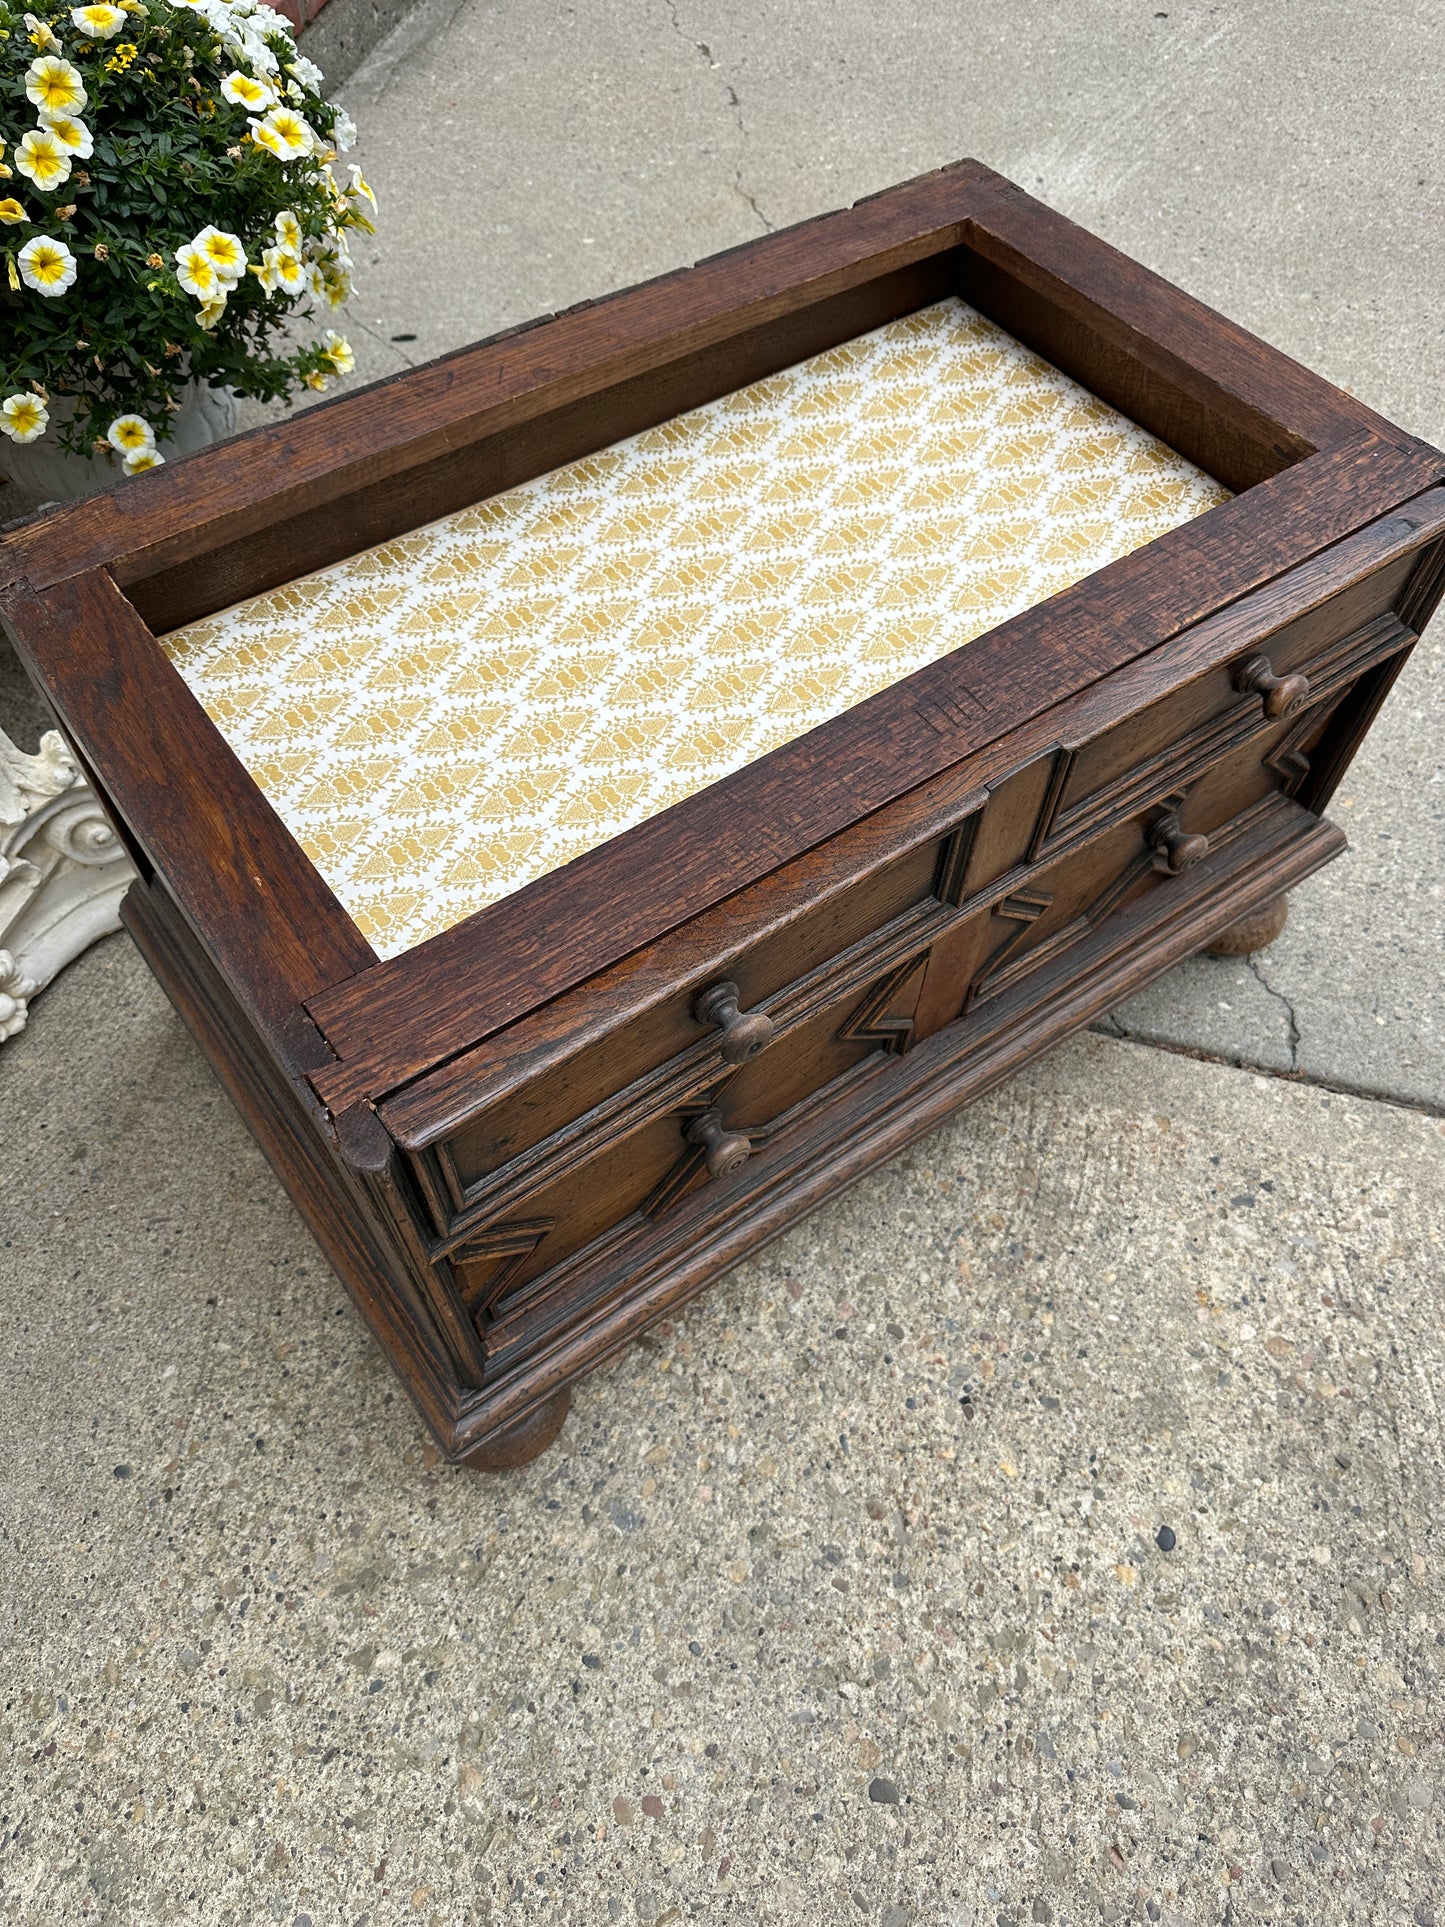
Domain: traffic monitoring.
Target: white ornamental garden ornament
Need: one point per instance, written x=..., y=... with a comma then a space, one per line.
x=63, y=871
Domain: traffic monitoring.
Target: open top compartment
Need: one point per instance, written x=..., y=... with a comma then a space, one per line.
x=450, y=715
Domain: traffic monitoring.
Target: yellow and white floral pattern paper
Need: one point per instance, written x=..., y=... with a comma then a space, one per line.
x=444, y=718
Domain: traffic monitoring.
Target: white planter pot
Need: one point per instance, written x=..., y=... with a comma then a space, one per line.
x=43, y=471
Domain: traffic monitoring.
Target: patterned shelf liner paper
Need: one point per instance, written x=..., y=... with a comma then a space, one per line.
x=444, y=718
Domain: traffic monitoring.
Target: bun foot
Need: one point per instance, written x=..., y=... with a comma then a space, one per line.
x=1253, y=932
x=524, y=1441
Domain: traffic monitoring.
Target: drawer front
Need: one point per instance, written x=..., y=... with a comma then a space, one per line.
x=640, y=1172
x=1188, y=728
x=1030, y=914
x=609, y=1084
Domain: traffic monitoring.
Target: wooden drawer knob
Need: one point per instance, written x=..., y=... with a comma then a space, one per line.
x=744, y=1032
x=726, y=1150
x=1175, y=848
x=1283, y=695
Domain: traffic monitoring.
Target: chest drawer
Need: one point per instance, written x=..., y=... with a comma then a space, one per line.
x=616, y=1179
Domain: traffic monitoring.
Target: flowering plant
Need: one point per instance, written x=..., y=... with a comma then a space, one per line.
x=168, y=209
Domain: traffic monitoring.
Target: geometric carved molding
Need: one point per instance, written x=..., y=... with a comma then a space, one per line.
x=63, y=872
x=512, y=1243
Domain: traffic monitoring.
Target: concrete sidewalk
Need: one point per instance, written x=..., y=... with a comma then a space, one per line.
x=844, y=1596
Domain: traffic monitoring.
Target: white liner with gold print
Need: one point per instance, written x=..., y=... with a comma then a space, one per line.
x=444, y=718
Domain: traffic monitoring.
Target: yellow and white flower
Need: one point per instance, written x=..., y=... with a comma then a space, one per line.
x=23, y=418
x=74, y=136
x=242, y=91
x=359, y=186
x=42, y=38
x=281, y=268
x=288, y=230
x=284, y=134
x=196, y=272
x=47, y=266
x=210, y=312
x=128, y=434
x=143, y=458
x=42, y=158
x=338, y=352
x=11, y=212
x=99, y=21
x=224, y=252
x=54, y=85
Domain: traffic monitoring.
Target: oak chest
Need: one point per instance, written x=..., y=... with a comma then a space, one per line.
x=596, y=794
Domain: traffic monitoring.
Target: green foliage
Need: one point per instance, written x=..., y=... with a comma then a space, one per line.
x=171, y=160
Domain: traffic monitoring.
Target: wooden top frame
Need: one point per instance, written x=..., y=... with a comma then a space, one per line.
x=85, y=590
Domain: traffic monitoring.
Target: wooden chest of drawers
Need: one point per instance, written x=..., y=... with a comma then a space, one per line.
x=525, y=1110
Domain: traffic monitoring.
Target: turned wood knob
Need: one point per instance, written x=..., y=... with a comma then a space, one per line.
x=744, y=1032
x=1175, y=848
x=1283, y=695
x=726, y=1150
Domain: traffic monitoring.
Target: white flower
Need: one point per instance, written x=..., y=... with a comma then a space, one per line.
x=47, y=266
x=53, y=84
x=338, y=352
x=282, y=268
x=210, y=312
x=242, y=91
x=128, y=434
x=307, y=72
x=196, y=272
x=23, y=418
x=41, y=35
x=43, y=158
x=288, y=230
x=283, y=134
x=224, y=252
x=343, y=130
x=73, y=135
x=140, y=459
x=98, y=22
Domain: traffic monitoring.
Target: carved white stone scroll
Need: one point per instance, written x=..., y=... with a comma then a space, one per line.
x=63, y=872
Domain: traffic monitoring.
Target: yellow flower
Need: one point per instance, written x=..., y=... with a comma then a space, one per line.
x=210, y=312
x=55, y=85
x=73, y=135
x=288, y=230
x=43, y=159
x=100, y=21
x=23, y=418
x=317, y=381
x=47, y=266
x=283, y=134
x=41, y=37
x=121, y=59
x=140, y=459
x=128, y=433
x=338, y=352
x=196, y=273
x=11, y=212
x=224, y=252
x=242, y=91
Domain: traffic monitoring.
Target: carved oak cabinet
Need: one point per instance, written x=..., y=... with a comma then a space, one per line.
x=596, y=794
